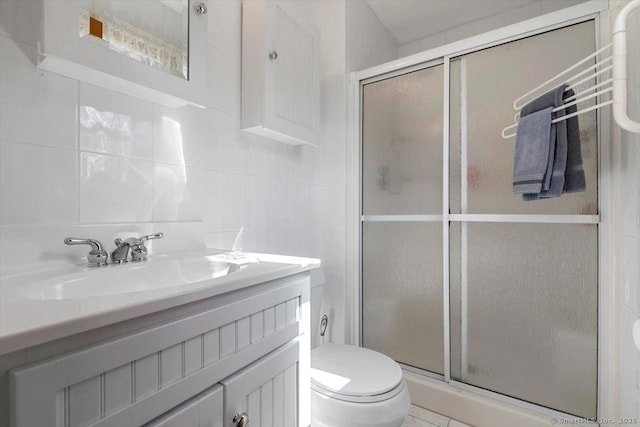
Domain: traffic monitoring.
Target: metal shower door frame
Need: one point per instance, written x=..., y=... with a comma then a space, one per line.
x=594, y=10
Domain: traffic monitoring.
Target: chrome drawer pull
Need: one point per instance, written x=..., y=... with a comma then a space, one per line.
x=241, y=420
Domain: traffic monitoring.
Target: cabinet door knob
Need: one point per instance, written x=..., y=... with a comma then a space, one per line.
x=273, y=55
x=241, y=420
x=201, y=9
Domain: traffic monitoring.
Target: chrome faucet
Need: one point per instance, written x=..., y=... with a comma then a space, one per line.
x=97, y=256
x=121, y=252
x=134, y=245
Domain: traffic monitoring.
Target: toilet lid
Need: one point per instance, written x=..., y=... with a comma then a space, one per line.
x=353, y=371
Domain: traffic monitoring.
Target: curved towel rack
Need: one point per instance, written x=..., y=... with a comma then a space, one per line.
x=620, y=69
x=616, y=63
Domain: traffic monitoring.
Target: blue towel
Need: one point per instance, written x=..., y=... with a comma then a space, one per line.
x=545, y=101
x=532, y=152
x=574, y=176
x=556, y=165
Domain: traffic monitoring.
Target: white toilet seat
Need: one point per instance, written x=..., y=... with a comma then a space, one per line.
x=348, y=370
x=361, y=399
x=356, y=387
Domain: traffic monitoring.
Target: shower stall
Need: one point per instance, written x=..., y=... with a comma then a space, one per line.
x=460, y=280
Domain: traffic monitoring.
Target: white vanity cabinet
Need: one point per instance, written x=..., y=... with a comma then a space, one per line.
x=88, y=58
x=245, y=351
x=280, y=72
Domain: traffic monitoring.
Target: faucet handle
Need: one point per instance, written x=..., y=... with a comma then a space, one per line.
x=96, y=246
x=138, y=249
x=151, y=237
x=118, y=241
x=97, y=256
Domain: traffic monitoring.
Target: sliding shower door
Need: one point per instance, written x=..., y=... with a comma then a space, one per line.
x=402, y=310
x=523, y=275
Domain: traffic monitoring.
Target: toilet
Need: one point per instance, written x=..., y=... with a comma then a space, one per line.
x=356, y=387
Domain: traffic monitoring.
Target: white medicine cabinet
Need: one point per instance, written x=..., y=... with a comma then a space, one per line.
x=150, y=49
x=280, y=72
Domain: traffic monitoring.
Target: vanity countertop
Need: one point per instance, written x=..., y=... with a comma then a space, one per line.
x=44, y=305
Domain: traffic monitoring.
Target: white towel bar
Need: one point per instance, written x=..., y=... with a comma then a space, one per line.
x=520, y=102
x=565, y=117
x=616, y=84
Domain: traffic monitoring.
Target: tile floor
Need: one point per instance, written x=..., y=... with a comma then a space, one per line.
x=420, y=417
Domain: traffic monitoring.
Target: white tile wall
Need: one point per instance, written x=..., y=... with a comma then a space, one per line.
x=180, y=193
x=115, y=124
x=114, y=189
x=182, y=136
x=37, y=183
x=366, y=42
x=225, y=80
x=229, y=153
x=36, y=107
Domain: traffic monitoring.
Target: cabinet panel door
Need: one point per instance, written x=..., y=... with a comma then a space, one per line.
x=204, y=410
x=294, y=70
x=292, y=83
x=266, y=391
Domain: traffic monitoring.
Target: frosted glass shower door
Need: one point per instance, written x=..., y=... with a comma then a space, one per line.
x=402, y=302
x=523, y=289
x=522, y=281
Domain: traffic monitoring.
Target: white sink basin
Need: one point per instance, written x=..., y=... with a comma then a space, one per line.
x=43, y=303
x=133, y=277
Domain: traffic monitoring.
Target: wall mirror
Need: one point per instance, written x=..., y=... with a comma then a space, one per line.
x=154, y=32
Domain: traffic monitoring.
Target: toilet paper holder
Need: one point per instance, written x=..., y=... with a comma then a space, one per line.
x=324, y=322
